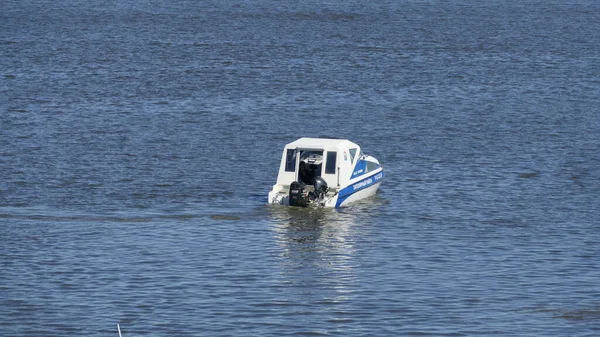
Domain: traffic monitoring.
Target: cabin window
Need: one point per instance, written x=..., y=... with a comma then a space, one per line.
x=290, y=161
x=331, y=161
x=371, y=166
x=352, y=154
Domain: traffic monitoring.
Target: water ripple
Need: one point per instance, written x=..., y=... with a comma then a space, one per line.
x=138, y=143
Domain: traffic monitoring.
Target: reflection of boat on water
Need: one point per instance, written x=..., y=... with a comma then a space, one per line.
x=316, y=245
x=309, y=219
x=328, y=228
x=324, y=229
x=325, y=172
x=316, y=251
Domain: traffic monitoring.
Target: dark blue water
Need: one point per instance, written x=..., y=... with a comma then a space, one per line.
x=139, y=139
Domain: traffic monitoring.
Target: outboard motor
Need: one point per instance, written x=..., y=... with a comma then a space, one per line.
x=297, y=196
x=321, y=188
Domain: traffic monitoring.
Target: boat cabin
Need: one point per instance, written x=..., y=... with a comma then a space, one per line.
x=307, y=158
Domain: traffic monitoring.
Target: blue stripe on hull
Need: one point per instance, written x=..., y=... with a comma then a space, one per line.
x=346, y=192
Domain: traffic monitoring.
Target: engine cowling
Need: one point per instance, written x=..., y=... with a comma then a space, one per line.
x=297, y=195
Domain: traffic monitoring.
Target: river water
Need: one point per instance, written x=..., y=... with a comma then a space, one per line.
x=139, y=139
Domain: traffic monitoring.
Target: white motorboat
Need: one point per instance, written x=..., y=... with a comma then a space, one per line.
x=325, y=172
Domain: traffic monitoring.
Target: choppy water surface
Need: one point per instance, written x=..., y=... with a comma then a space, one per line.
x=138, y=141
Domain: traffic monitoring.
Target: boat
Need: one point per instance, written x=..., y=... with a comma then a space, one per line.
x=325, y=172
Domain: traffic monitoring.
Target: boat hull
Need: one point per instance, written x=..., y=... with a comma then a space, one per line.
x=361, y=188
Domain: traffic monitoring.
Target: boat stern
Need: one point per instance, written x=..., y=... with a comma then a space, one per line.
x=278, y=195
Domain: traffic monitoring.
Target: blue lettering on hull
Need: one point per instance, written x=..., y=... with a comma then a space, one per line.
x=361, y=185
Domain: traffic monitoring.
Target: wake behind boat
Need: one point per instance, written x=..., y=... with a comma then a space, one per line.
x=325, y=172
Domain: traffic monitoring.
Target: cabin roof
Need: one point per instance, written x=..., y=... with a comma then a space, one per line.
x=321, y=143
